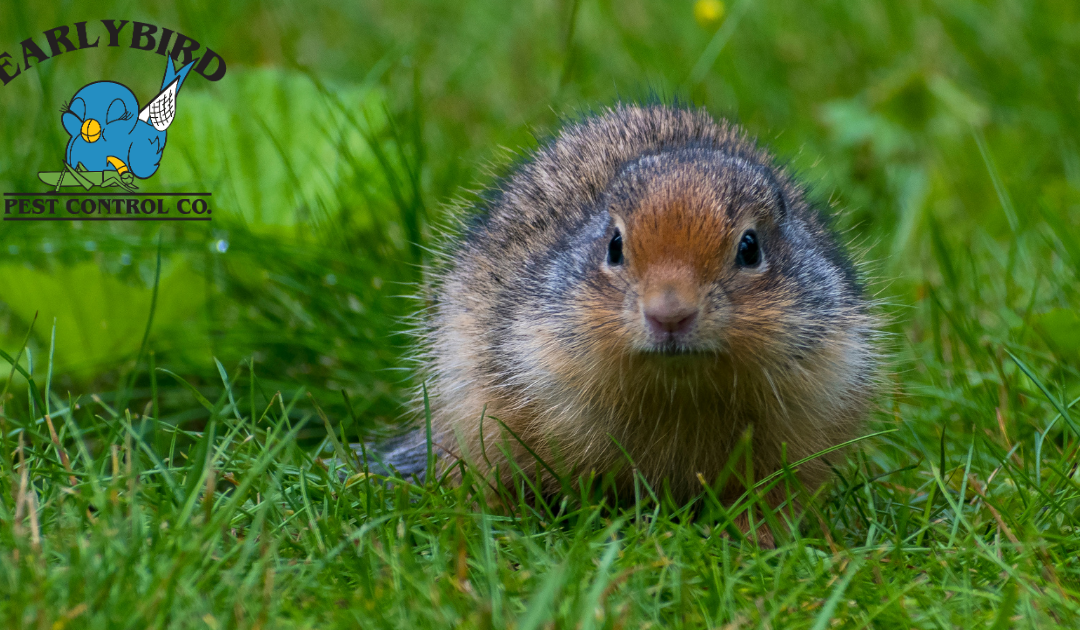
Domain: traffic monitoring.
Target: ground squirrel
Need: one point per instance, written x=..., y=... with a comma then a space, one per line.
x=647, y=281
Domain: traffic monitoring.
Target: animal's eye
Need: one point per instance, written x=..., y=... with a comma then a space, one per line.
x=77, y=107
x=614, y=249
x=116, y=111
x=749, y=254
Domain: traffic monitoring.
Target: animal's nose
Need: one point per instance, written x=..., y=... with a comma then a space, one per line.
x=668, y=313
x=91, y=130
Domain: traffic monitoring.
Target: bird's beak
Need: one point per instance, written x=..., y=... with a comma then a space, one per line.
x=91, y=130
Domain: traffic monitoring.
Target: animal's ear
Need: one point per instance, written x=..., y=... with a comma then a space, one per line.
x=117, y=111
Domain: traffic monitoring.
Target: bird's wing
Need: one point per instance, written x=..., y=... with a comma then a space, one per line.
x=161, y=111
x=145, y=155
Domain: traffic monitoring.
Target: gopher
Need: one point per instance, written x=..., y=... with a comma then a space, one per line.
x=640, y=293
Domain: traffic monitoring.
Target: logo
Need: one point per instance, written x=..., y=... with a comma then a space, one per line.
x=110, y=145
x=113, y=142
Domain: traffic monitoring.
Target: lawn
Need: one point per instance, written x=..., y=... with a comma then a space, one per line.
x=175, y=399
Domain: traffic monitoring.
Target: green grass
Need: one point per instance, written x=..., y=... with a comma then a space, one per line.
x=189, y=480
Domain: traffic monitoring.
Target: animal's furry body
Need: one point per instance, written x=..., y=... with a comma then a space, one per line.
x=541, y=320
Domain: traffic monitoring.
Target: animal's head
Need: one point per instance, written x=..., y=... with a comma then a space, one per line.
x=100, y=112
x=700, y=252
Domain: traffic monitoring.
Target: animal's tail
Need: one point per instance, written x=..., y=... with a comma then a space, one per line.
x=405, y=454
x=162, y=109
x=171, y=74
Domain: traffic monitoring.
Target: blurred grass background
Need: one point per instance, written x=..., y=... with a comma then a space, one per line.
x=945, y=133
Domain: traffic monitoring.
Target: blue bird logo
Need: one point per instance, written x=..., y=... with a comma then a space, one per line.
x=113, y=142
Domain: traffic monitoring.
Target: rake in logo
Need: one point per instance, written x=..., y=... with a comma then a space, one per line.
x=110, y=146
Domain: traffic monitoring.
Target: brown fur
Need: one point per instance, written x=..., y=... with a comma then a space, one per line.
x=529, y=323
